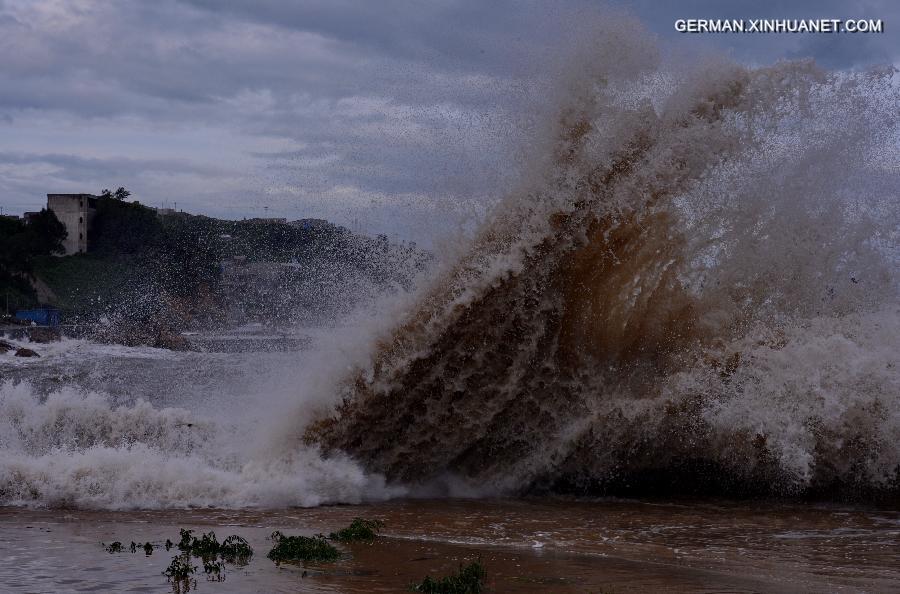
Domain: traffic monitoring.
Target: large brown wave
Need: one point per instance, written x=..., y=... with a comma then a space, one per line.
x=607, y=319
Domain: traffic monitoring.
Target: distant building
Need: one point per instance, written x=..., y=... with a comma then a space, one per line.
x=164, y=212
x=76, y=212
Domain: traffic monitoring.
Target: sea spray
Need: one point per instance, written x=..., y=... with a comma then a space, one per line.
x=697, y=290
x=75, y=448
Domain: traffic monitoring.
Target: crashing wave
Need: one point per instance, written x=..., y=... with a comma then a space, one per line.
x=75, y=449
x=695, y=288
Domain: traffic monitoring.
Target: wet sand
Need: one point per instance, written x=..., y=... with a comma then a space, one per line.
x=533, y=545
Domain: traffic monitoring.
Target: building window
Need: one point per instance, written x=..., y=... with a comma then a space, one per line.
x=80, y=236
x=80, y=219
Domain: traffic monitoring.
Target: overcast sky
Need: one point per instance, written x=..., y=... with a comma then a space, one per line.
x=374, y=113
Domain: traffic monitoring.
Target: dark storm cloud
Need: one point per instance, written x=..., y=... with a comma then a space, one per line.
x=314, y=102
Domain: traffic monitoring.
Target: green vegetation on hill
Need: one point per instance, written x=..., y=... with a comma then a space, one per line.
x=80, y=281
x=123, y=228
x=21, y=243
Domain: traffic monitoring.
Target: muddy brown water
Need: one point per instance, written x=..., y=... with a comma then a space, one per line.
x=533, y=545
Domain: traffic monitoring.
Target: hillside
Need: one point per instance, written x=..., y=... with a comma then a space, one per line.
x=146, y=274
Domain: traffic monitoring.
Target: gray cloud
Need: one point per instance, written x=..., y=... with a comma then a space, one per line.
x=317, y=107
x=81, y=168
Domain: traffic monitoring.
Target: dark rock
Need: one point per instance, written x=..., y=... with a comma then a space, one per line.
x=5, y=346
x=23, y=352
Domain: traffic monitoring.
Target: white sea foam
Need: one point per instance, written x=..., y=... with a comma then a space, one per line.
x=74, y=448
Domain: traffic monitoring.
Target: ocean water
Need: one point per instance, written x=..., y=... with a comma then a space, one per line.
x=112, y=427
x=526, y=545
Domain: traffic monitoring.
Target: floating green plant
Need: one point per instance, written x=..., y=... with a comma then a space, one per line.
x=235, y=549
x=302, y=548
x=359, y=530
x=179, y=574
x=468, y=580
x=205, y=546
x=180, y=568
x=214, y=570
x=186, y=538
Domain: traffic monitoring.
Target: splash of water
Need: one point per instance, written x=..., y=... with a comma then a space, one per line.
x=76, y=449
x=696, y=283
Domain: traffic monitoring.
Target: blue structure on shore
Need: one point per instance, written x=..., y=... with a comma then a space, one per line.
x=44, y=316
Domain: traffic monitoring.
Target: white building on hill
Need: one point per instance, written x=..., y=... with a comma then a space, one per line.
x=76, y=212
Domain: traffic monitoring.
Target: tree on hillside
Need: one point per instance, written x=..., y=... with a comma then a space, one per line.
x=124, y=227
x=12, y=244
x=120, y=194
x=46, y=233
x=20, y=243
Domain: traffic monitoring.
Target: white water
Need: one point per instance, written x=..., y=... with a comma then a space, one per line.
x=74, y=445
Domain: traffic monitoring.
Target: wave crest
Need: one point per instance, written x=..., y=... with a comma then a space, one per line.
x=698, y=283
